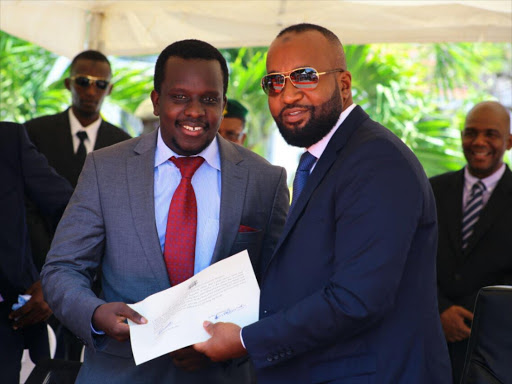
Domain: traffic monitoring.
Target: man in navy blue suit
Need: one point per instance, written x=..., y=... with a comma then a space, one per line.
x=349, y=295
x=23, y=171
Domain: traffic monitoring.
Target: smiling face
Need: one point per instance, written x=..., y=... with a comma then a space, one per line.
x=485, y=138
x=190, y=104
x=304, y=116
x=87, y=101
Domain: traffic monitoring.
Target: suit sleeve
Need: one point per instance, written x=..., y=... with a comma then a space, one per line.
x=277, y=219
x=75, y=256
x=444, y=301
x=50, y=191
x=378, y=208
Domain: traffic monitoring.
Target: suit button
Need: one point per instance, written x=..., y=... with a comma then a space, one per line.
x=265, y=311
x=289, y=352
x=282, y=354
x=269, y=358
x=276, y=357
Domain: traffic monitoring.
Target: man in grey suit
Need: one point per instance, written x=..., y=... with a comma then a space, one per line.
x=117, y=219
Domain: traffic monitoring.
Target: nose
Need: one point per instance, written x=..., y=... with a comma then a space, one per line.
x=194, y=109
x=480, y=139
x=290, y=93
x=92, y=89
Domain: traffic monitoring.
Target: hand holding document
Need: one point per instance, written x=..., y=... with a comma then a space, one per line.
x=226, y=291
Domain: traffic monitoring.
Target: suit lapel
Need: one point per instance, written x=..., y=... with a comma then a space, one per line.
x=64, y=141
x=493, y=209
x=324, y=163
x=102, y=136
x=140, y=175
x=233, y=190
x=453, y=210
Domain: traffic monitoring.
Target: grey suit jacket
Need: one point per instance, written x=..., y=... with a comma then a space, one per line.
x=110, y=222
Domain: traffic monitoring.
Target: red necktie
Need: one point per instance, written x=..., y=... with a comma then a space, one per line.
x=180, y=235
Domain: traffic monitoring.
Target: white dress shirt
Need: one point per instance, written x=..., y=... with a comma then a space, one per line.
x=91, y=130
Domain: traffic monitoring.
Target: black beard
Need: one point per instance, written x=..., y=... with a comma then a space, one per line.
x=319, y=124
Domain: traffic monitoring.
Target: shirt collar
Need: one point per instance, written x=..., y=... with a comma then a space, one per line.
x=490, y=182
x=91, y=129
x=210, y=154
x=319, y=147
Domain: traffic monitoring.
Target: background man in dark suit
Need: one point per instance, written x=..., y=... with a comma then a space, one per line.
x=58, y=136
x=352, y=279
x=232, y=127
x=480, y=257
x=65, y=139
x=23, y=170
x=118, y=218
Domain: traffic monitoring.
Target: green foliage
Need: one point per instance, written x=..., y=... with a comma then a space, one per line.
x=131, y=86
x=419, y=91
x=24, y=88
x=247, y=67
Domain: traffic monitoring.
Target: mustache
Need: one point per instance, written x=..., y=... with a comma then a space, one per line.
x=308, y=107
x=194, y=122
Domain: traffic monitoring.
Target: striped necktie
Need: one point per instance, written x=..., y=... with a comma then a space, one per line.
x=472, y=212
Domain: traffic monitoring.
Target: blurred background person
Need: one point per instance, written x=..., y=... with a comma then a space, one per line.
x=65, y=139
x=232, y=127
x=23, y=170
x=474, y=208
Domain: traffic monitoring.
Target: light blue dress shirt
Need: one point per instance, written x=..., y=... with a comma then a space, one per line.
x=207, y=188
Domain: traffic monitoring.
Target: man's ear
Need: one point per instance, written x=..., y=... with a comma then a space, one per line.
x=224, y=106
x=509, y=144
x=345, y=82
x=67, y=83
x=109, y=89
x=155, y=99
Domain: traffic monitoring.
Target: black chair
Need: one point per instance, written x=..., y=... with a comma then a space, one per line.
x=489, y=354
x=54, y=371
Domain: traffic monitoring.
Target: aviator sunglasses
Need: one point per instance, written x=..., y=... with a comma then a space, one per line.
x=301, y=78
x=85, y=81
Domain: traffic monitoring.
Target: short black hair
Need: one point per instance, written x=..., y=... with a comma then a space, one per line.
x=90, y=55
x=235, y=109
x=305, y=27
x=189, y=49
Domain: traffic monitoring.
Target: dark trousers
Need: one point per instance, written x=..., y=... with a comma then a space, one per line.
x=458, y=356
x=12, y=344
x=68, y=345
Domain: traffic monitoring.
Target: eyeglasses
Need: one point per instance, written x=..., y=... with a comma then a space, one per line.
x=85, y=81
x=301, y=78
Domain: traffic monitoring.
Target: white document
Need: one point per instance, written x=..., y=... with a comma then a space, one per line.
x=226, y=291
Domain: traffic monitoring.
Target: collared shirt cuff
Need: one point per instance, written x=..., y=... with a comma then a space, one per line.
x=242, y=339
x=94, y=331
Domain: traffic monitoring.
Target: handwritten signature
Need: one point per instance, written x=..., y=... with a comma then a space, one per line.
x=164, y=329
x=227, y=311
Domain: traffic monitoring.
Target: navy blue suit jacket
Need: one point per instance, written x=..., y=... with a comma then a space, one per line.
x=349, y=295
x=23, y=170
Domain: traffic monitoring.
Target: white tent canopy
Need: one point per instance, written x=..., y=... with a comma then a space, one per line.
x=126, y=27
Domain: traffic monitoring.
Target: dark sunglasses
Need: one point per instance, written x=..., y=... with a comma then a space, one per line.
x=301, y=78
x=85, y=81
